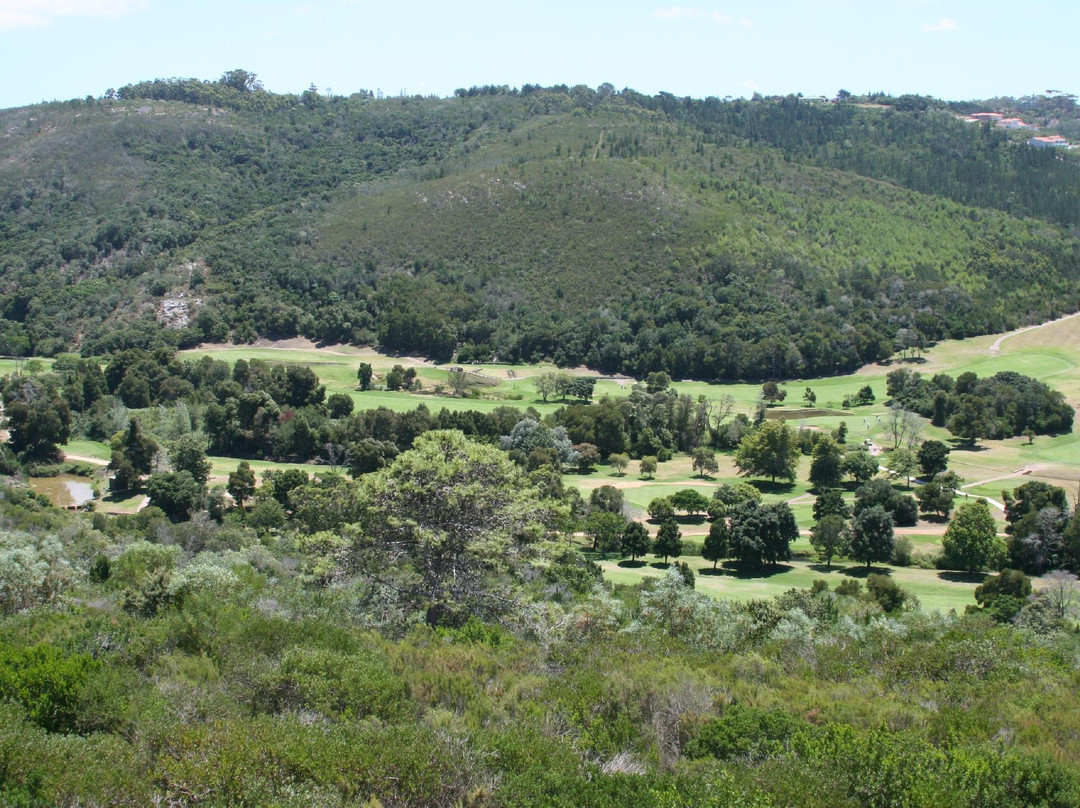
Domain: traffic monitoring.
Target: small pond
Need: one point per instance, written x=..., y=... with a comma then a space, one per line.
x=64, y=491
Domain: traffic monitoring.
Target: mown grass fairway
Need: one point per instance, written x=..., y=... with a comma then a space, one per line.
x=934, y=589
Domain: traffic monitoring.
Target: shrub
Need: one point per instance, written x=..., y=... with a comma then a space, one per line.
x=850, y=587
x=887, y=592
x=661, y=509
x=743, y=733
x=141, y=561
x=901, y=555
x=46, y=683
x=32, y=571
x=334, y=684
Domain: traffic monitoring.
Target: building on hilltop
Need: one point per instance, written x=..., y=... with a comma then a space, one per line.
x=1048, y=142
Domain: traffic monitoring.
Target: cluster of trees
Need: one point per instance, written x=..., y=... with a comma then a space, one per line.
x=1043, y=533
x=1006, y=404
x=563, y=384
x=257, y=409
x=864, y=530
x=652, y=421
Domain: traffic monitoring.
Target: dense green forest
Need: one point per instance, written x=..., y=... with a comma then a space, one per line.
x=705, y=238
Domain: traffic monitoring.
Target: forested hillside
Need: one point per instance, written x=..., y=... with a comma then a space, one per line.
x=708, y=239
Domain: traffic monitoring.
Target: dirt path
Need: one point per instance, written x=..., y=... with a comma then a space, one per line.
x=1018, y=473
x=94, y=461
x=997, y=343
x=999, y=505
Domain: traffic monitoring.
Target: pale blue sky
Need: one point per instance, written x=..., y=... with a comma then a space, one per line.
x=952, y=49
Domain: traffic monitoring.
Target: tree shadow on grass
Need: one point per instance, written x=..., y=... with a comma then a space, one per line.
x=690, y=520
x=122, y=496
x=862, y=572
x=771, y=487
x=742, y=571
x=958, y=577
x=629, y=564
x=659, y=565
x=961, y=445
x=822, y=568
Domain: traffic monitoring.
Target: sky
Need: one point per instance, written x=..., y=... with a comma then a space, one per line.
x=951, y=49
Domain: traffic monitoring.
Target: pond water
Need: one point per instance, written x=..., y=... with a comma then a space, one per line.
x=64, y=491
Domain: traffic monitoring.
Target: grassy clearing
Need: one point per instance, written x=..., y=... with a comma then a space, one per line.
x=222, y=467
x=121, y=502
x=934, y=589
x=89, y=448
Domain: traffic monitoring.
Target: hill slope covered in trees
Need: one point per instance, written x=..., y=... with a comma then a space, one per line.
x=710, y=239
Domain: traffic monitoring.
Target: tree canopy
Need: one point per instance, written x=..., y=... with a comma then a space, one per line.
x=447, y=554
x=770, y=450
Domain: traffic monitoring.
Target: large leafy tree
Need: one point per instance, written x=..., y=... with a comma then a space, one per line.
x=133, y=455
x=1036, y=514
x=704, y=461
x=635, y=540
x=969, y=538
x=661, y=509
x=605, y=530
x=938, y=494
x=241, y=484
x=177, y=493
x=608, y=499
x=827, y=466
x=972, y=419
x=717, y=544
x=902, y=463
x=1003, y=596
x=829, y=538
x=689, y=501
x=446, y=524
x=188, y=453
x=771, y=450
x=861, y=465
x=528, y=435
x=364, y=373
x=871, y=538
x=831, y=502
x=762, y=533
x=933, y=457
x=668, y=540
x=36, y=428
